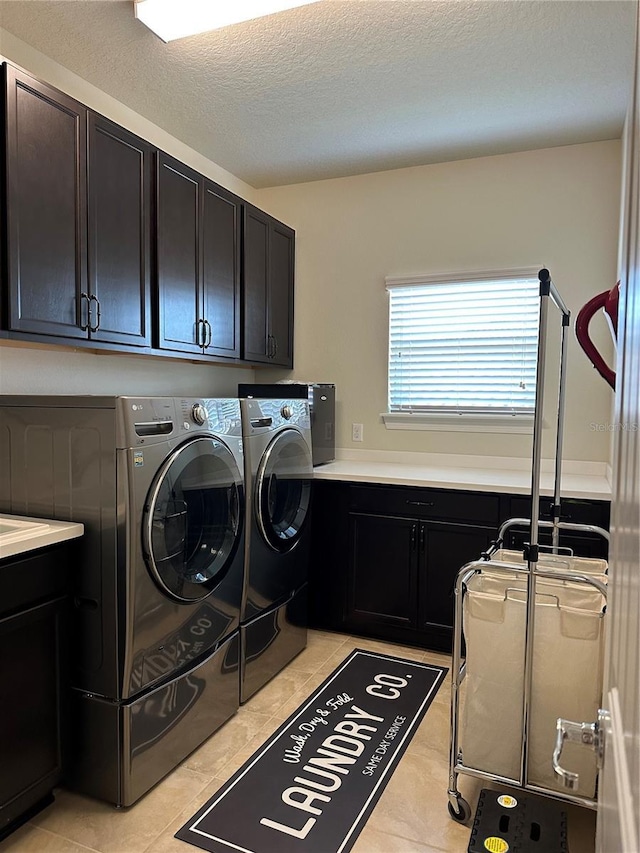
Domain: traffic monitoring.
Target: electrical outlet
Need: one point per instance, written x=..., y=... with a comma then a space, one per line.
x=356, y=432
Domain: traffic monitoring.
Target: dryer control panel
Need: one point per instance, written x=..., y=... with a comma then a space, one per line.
x=269, y=415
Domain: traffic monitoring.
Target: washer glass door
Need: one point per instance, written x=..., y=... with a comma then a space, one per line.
x=193, y=519
x=283, y=490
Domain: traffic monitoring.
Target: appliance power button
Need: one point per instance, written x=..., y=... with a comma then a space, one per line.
x=286, y=412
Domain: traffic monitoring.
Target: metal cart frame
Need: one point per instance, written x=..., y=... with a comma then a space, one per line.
x=458, y=807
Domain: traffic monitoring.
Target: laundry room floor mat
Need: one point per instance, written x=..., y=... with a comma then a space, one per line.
x=312, y=786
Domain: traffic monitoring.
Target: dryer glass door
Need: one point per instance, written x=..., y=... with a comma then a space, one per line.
x=283, y=490
x=193, y=519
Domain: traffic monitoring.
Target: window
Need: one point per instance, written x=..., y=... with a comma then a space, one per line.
x=463, y=345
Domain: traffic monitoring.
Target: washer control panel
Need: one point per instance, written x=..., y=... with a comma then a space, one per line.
x=144, y=421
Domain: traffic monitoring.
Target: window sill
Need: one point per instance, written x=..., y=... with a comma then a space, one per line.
x=517, y=424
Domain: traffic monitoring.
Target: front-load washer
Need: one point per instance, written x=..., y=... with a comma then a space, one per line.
x=278, y=474
x=159, y=485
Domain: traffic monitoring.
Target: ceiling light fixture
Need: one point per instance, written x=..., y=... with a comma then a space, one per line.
x=175, y=19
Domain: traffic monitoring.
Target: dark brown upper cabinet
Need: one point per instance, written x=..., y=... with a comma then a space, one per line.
x=78, y=219
x=269, y=253
x=119, y=236
x=198, y=263
x=46, y=208
x=89, y=207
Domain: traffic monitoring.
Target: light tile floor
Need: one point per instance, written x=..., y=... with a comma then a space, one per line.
x=410, y=817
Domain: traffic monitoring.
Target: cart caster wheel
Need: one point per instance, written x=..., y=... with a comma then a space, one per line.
x=463, y=812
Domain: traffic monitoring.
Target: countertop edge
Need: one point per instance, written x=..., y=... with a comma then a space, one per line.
x=586, y=487
x=57, y=532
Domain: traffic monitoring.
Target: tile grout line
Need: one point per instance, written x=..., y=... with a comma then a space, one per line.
x=188, y=805
x=59, y=835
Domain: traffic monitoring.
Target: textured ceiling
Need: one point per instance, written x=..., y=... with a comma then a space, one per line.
x=343, y=87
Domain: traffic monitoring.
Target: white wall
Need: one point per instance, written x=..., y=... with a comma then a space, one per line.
x=60, y=370
x=557, y=207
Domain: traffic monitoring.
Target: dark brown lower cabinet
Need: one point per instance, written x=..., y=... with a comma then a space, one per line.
x=446, y=548
x=385, y=558
x=402, y=573
x=583, y=545
x=383, y=571
x=573, y=510
x=34, y=654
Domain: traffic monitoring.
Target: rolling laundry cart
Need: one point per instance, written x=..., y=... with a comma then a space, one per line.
x=532, y=622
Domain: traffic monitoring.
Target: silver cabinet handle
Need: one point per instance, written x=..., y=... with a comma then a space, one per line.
x=201, y=332
x=589, y=734
x=87, y=325
x=95, y=299
x=208, y=334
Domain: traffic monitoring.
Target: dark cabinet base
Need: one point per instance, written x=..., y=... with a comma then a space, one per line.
x=385, y=558
x=33, y=681
x=25, y=814
x=436, y=639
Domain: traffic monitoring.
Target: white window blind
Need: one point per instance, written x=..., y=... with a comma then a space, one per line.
x=458, y=346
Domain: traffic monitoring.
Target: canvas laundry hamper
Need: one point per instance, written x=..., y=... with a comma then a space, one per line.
x=566, y=677
x=558, y=562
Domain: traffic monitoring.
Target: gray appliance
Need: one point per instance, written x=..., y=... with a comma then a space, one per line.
x=278, y=473
x=159, y=485
x=321, y=397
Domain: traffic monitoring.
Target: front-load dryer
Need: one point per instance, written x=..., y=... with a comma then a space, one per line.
x=278, y=474
x=159, y=485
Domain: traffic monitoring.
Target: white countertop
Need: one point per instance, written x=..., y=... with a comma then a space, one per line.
x=20, y=534
x=588, y=480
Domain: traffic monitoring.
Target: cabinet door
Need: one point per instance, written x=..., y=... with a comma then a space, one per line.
x=179, y=263
x=268, y=289
x=119, y=234
x=582, y=544
x=221, y=270
x=46, y=208
x=32, y=654
x=328, y=562
x=445, y=548
x=281, y=294
x=573, y=510
x=382, y=570
x=256, y=340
